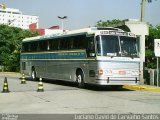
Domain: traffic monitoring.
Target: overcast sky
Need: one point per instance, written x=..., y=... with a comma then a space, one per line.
x=84, y=13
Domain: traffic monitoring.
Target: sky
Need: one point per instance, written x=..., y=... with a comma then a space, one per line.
x=85, y=13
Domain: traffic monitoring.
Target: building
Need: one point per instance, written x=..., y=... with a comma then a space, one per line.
x=14, y=17
x=44, y=31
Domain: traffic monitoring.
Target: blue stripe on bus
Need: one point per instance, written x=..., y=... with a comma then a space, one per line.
x=69, y=55
x=69, y=58
x=75, y=60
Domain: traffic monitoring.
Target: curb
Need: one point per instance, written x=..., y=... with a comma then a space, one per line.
x=143, y=88
x=9, y=72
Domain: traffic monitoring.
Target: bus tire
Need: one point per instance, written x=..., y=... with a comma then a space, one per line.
x=33, y=74
x=80, y=79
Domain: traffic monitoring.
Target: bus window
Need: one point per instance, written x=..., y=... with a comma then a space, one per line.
x=54, y=44
x=33, y=46
x=90, y=46
x=129, y=46
x=42, y=45
x=65, y=44
x=98, y=46
x=69, y=43
x=48, y=47
x=25, y=47
x=29, y=47
x=108, y=45
x=79, y=42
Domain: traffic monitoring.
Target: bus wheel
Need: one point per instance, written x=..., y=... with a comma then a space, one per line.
x=33, y=74
x=80, y=79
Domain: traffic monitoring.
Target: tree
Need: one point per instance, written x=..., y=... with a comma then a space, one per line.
x=154, y=33
x=10, y=46
x=109, y=23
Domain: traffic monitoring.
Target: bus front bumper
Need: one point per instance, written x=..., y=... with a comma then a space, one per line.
x=117, y=81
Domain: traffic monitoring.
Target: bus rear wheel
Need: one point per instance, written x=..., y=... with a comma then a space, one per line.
x=80, y=79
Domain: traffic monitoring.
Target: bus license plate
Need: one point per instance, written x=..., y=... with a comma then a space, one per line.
x=122, y=72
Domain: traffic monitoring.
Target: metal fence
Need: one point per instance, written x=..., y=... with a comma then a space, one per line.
x=150, y=76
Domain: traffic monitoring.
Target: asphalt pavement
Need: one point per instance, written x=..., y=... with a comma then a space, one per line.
x=61, y=97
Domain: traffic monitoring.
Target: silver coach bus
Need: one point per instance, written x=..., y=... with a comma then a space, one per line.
x=103, y=56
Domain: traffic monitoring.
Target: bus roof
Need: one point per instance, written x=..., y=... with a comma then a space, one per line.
x=89, y=31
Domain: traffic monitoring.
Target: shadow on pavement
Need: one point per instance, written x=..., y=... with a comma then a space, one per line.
x=87, y=86
x=105, y=88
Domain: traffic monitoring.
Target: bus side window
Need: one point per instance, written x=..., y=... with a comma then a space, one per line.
x=71, y=43
x=65, y=43
x=75, y=43
x=48, y=47
x=98, y=45
x=61, y=44
x=79, y=42
x=90, y=46
x=29, y=47
x=42, y=45
x=53, y=44
x=25, y=47
x=33, y=46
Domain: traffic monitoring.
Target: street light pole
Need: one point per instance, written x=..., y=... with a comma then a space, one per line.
x=62, y=18
x=143, y=10
x=62, y=23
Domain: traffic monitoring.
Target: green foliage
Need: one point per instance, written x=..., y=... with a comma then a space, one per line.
x=109, y=23
x=154, y=33
x=10, y=46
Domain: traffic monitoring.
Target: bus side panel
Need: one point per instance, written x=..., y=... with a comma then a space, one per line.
x=25, y=67
x=91, y=71
x=58, y=70
x=40, y=67
x=63, y=70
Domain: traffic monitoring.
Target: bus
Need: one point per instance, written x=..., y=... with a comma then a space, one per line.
x=101, y=56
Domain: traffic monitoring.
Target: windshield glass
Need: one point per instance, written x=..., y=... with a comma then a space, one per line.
x=108, y=45
x=128, y=46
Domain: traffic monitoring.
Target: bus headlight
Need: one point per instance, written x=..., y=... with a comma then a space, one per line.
x=100, y=72
x=105, y=72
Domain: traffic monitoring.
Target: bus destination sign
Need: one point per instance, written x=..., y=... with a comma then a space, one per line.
x=116, y=33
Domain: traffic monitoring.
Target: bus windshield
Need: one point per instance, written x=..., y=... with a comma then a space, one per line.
x=108, y=45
